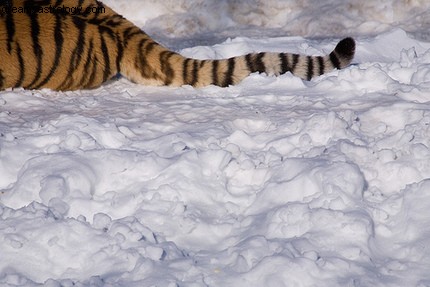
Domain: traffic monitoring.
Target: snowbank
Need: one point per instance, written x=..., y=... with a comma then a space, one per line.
x=206, y=19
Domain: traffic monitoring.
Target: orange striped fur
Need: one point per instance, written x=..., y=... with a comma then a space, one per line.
x=60, y=49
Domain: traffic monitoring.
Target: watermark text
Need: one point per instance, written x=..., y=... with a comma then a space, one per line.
x=78, y=10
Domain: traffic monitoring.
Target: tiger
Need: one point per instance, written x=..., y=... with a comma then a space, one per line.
x=67, y=45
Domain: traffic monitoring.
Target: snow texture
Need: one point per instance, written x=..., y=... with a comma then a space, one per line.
x=273, y=182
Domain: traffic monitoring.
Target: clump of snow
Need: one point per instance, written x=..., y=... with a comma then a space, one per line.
x=273, y=182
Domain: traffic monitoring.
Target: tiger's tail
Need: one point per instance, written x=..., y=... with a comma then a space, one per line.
x=156, y=65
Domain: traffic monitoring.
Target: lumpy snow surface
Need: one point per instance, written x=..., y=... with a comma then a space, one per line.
x=273, y=182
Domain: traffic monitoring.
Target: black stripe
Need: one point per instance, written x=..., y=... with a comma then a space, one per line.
x=284, y=63
x=120, y=53
x=106, y=59
x=107, y=30
x=93, y=18
x=215, y=78
x=139, y=57
x=37, y=49
x=228, y=79
x=77, y=53
x=129, y=36
x=85, y=80
x=10, y=27
x=259, y=64
x=87, y=11
x=129, y=33
x=96, y=17
x=321, y=65
x=250, y=63
x=255, y=63
x=76, y=57
x=93, y=74
x=113, y=21
x=185, y=71
x=59, y=41
x=1, y=79
x=195, y=73
x=334, y=60
x=141, y=61
x=105, y=50
x=310, y=72
x=150, y=47
x=144, y=51
x=166, y=68
x=21, y=66
x=99, y=10
x=295, y=62
x=90, y=55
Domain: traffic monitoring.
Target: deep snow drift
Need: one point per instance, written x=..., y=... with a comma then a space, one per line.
x=273, y=182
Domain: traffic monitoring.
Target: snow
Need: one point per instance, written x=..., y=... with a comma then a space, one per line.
x=273, y=182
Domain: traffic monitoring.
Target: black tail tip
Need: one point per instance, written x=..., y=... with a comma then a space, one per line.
x=346, y=48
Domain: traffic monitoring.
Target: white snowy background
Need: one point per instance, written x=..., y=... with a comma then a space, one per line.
x=273, y=182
